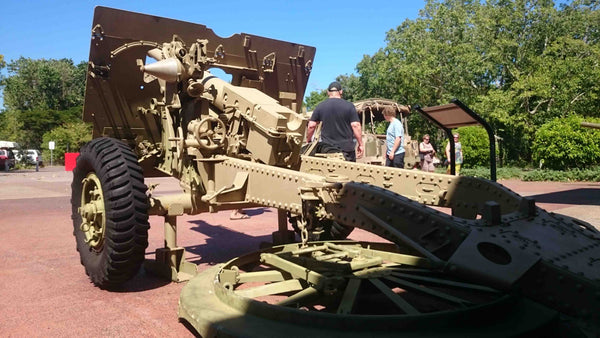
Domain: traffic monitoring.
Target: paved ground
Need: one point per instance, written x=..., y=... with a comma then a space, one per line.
x=45, y=292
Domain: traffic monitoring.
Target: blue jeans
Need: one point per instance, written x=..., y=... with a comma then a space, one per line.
x=398, y=161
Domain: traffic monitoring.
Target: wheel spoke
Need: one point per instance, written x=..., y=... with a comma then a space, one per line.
x=349, y=296
x=271, y=289
x=296, y=298
x=440, y=281
x=400, y=302
x=429, y=291
x=348, y=281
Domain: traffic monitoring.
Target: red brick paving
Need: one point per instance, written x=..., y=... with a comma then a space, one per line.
x=45, y=292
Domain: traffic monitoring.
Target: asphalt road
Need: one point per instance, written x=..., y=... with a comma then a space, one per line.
x=44, y=291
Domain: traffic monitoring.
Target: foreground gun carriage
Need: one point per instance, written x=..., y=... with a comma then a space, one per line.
x=497, y=263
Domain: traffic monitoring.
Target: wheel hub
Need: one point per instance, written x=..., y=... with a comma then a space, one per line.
x=93, y=221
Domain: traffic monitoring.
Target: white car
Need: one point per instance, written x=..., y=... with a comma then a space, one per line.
x=34, y=156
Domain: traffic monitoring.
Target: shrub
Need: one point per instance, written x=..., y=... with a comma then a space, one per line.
x=70, y=136
x=475, y=147
x=562, y=144
x=504, y=173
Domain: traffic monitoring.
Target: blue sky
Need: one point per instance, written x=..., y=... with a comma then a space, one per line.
x=342, y=31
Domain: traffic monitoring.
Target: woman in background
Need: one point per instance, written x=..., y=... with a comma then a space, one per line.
x=426, y=153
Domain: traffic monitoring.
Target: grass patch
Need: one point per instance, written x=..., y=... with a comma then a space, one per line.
x=504, y=173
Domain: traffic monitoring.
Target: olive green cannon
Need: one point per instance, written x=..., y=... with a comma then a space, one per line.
x=463, y=256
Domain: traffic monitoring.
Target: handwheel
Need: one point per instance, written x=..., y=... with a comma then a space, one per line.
x=207, y=136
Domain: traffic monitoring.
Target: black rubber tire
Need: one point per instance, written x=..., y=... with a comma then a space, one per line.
x=121, y=253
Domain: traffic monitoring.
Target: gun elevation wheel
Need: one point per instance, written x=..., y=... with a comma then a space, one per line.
x=352, y=290
x=109, y=211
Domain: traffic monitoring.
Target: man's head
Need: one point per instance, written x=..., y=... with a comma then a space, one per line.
x=334, y=89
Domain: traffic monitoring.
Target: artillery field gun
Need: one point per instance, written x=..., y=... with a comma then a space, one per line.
x=498, y=266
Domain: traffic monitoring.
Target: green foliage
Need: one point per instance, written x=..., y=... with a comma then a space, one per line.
x=44, y=84
x=505, y=173
x=518, y=63
x=475, y=146
x=314, y=98
x=350, y=86
x=380, y=127
x=68, y=138
x=562, y=143
x=28, y=127
x=40, y=95
x=590, y=174
x=11, y=127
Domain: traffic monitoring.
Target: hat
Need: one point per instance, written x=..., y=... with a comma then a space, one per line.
x=334, y=86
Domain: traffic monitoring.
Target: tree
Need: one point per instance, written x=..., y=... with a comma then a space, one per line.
x=518, y=63
x=11, y=127
x=44, y=84
x=314, y=98
x=68, y=137
x=40, y=95
x=350, y=85
x=2, y=65
x=578, y=147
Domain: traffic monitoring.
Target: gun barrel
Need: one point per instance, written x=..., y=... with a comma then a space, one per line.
x=590, y=125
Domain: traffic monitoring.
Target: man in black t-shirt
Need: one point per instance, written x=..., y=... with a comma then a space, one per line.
x=340, y=123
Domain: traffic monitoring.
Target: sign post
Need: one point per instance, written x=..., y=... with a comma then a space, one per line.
x=51, y=147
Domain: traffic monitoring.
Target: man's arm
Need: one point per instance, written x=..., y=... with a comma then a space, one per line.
x=357, y=130
x=312, y=125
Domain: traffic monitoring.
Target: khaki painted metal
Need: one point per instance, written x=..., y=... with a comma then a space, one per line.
x=590, y=125
x=149, y=84
x=345, y=289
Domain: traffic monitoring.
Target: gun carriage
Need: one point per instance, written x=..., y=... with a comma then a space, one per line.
x=497, y=262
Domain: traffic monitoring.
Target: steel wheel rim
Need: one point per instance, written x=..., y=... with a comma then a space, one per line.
x=229, y=288
x=92, y=211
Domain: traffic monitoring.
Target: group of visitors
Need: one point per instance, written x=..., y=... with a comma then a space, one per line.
x=340, y=127
x=427, y=154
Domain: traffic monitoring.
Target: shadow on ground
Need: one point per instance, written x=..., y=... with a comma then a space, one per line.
x=583, y=196
x=223, y=244
x=142, y=281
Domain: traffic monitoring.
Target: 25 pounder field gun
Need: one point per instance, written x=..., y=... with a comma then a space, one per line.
x=498, y=264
